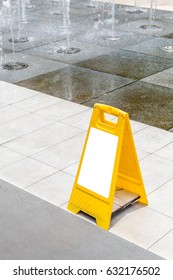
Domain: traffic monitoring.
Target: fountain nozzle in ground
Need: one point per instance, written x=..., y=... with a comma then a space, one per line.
x=13, y=65
x=66, y=20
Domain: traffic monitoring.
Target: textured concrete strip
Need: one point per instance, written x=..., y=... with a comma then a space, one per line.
x=35, y=229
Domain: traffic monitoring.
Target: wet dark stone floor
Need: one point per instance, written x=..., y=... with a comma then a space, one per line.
x=75, y=83
x=169, y=36
x=127, y=64
x=145, y=102
x=107, y=72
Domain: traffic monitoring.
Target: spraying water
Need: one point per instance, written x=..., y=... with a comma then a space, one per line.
x=21, y=19
x=91, y=4
x=1, y=52
x=112, y=37
x=14, y=65
x=136, y=9
x=1, y=24
x=56, y=7
x=152, y=10
x=29, y=5
x=23, y=12
x=66, y=22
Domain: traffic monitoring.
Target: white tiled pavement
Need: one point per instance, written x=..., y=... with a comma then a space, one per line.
x=41, y=139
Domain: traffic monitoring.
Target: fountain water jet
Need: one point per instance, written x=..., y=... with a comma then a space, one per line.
x=66, y=21
x=23, y=11
x=1, y=25
x=21, y=19
x=29, y=5
x=151, y=26
x=112, y=37
x=1, y=51
x=91, y=4
x=136, y=9
x=14, y=65
x=56, y=7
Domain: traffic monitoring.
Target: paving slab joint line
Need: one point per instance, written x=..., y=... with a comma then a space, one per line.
x=25, y=99
x=159, y=239
x=25, y=188
x=130, y=82
x=75, y=114
x=148, y=82
x=37, y=94
x=163, y=148
x=17, y=161
x=4, y=142
x=159, y=188
x=143, y=128
x=160, y=213
x=152, y=154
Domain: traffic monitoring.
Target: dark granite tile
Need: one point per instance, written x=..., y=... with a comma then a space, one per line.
x=169, y=36
x=75, y=83
x=82, y=85
x=127, y=64
x=147, y=103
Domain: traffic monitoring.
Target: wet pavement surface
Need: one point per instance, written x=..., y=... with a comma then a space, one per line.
x=132, y=73
x=147, y=103
x=127, y=64
x=76, y=84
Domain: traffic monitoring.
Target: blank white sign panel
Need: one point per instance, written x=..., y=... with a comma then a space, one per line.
x=98, y=162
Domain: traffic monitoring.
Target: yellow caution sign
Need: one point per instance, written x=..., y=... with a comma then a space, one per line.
x=108, y=177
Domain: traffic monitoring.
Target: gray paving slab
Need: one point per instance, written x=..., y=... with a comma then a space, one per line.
x=164, y=15
x=127, y=64
x=153, y=47
x=135, y=26
x=103, y=13
x=101, y=19
x=75, y=84
x=145, y=102
x=32, y=228
x=88, y=51
x=35, y=39
x=123, y=39
x=54, y=25
x=36, y=66
x=81, y=10
x=42, y=20
x=163, y=78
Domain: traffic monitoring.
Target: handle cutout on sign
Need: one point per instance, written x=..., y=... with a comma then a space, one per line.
x=109, y=117
x=98, y=162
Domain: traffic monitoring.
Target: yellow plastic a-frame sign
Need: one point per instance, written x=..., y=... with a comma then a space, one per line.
x=108, y=163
